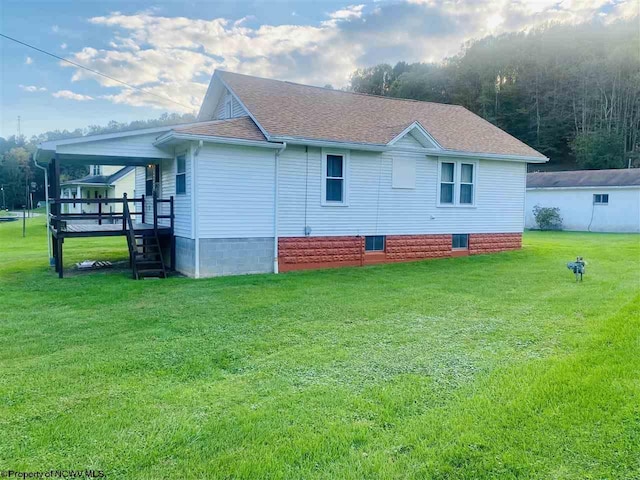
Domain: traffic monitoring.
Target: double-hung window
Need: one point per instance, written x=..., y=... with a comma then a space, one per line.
x=334, y=178
x=181, y=174
x=466, y=183
x=457, y=183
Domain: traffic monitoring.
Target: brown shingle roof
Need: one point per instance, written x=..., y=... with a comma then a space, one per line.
x=585, y=178
x=287, y=109
x=242, y=128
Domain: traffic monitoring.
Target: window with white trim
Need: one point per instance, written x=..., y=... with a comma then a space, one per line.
x=96, y=169
x=457, y=183
x=181, y=174
x=334, y=178
x=601, y=199
x=466, y=183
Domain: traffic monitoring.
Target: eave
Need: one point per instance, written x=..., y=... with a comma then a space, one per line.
x=171, y=138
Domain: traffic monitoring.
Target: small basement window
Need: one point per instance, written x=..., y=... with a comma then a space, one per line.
x=181, y=175
x=374, y=243
x=460, y=241
x=601, y=199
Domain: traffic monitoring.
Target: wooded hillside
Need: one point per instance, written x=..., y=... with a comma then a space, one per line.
x=571, y=92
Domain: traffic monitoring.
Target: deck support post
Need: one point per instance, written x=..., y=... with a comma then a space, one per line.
x=59, y=244
x=54, y=245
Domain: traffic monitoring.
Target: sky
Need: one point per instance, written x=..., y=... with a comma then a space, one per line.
x=171, y=48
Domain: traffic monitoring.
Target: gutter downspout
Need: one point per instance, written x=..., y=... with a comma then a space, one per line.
x=46, y=199
x=194, y=210
x=275, y=208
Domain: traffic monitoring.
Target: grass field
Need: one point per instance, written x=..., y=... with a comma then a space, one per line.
x=495, y=366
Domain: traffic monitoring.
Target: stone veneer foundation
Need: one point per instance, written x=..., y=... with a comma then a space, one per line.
x=299, y=253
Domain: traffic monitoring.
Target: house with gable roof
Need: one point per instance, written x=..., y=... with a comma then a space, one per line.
x=278, y=176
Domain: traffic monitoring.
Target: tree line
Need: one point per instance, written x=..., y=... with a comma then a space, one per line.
x=571, y=92
x=17, y=169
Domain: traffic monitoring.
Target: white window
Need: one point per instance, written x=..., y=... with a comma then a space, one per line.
x=457, y=183
x=404, y=172
x=228, y=107
x=601, y=199
x=96, y=170
x=181, y=174
x=334, y=177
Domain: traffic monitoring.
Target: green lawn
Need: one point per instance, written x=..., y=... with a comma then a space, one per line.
x=496, y=366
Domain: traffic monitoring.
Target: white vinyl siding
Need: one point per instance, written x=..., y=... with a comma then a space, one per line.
x=221, y=109
x=578, y=212
x=404, y=172
x=409, y=141
x=181, y=203
x=235, y=188
x=377, y=208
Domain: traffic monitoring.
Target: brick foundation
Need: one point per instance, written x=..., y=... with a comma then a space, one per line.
x=494, y=242
x=299, y=253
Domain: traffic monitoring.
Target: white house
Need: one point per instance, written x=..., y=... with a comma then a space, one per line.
x=103, y=181
x=589, y=200
x=277, y=176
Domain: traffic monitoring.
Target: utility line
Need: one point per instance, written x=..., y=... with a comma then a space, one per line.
x=95, y=71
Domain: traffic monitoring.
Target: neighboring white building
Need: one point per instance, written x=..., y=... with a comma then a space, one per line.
x=103, y=181
x=589, y=200
x=277, y=176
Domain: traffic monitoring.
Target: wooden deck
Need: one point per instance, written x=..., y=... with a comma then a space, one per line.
x=105, y=230
x=101, y=224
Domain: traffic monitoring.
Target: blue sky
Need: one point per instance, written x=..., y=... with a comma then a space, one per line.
x=172, y=47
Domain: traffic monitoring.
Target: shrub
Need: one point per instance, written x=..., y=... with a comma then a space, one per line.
x=547, y=218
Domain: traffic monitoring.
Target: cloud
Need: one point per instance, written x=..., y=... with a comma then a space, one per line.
x=69, y=95
x=63, y=46
x=32, y=88
x=348, y=13
x=28, y=60
x=174, y=56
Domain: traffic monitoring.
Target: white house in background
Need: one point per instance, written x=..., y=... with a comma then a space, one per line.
x=103, y=181
x=277, y=176
x=589, y=200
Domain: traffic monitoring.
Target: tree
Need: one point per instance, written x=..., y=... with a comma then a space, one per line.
x=600, y=149
x=561, y=89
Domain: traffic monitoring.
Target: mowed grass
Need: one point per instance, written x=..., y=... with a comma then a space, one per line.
x=497, y=366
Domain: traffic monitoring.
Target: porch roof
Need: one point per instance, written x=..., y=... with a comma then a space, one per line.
x=102, y=180
x=129, y=148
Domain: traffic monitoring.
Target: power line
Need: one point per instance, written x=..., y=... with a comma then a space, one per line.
x=95, y=71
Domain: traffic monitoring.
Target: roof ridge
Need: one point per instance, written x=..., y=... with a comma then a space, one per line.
x=370, y=95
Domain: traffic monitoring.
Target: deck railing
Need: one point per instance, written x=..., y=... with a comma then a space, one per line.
x=58, y=220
